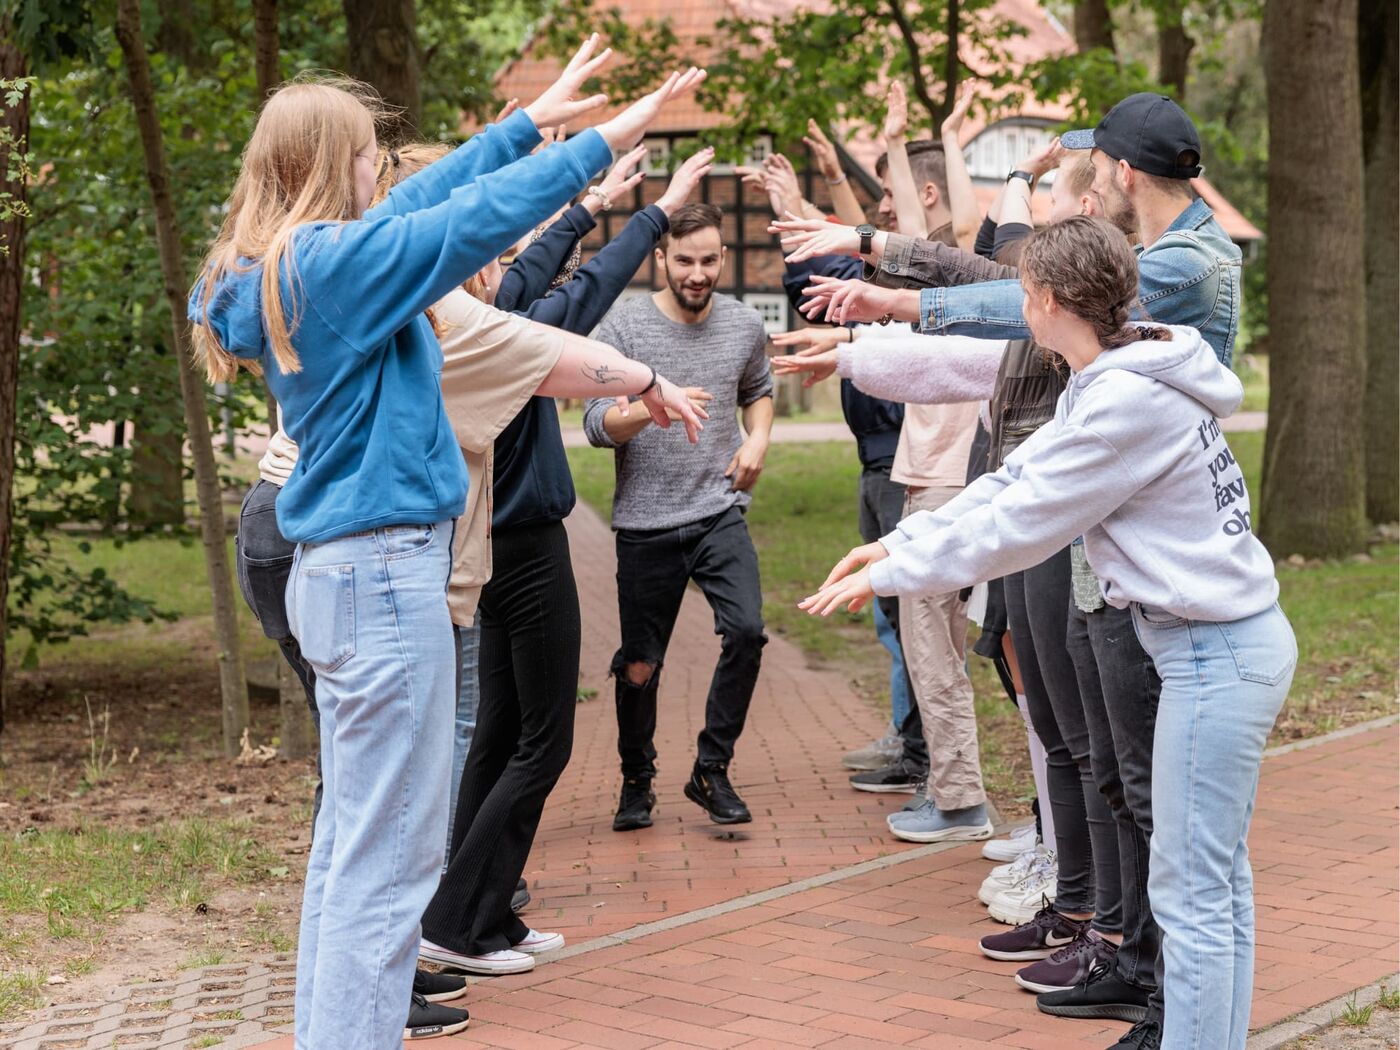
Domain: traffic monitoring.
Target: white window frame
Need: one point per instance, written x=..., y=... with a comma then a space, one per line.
x=764, y=302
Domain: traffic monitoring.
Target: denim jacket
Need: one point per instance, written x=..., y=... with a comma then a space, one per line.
x=1188, y=276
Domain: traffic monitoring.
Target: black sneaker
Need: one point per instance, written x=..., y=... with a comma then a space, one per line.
x=1040, y=938
x=899, y=776
x=634, y=807
x=1145, y=1035
x=1103, y=994
x=520, y=899
x=709, y=788
x=1070, y=966
x=439, y=987
x=429, y=1020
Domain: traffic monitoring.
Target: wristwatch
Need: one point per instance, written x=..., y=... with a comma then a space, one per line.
x=866, y=232
x=1018, y=174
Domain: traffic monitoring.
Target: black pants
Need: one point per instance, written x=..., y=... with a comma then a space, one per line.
x=1121, y=689
x=263, y=560
x=881, y=507
x=524, y=735
x=1037, y=603
x=653, y=568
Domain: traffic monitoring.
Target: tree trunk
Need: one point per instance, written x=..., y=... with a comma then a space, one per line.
x=1314, y=454
x=298, y=737
x=15, y=119
x=233, y=687
x=156, y=483
x=951, y=64
x=1380, y=84
x=916, y=68
x=267, y=51
x=1173, y=48
x=384, y=53
x=1093, y=26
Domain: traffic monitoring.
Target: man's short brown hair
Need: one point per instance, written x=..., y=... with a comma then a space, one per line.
x=928, y=162
x=690, y=218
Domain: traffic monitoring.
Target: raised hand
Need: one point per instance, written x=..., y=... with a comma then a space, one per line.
x=896, y=113
x=665, y=398
x=823, y=152
x=621, y=177
x=558, y=105
x=845, y=302
x=780, y=180
x=686, y=178
x=625, y=130
x=808, y=238
x=1045, y=160
x=952, y=123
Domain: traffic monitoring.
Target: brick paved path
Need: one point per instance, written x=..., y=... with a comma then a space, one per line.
x=810, y=927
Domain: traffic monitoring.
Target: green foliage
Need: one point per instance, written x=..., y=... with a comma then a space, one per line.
x=15, y=169
x=828, y=65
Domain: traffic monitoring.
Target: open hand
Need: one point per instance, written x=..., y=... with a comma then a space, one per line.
x=686, y=178
x=818, y=364
x=828, y=160
x=558, y=105
x=952, y=123
x=626, y=129
x=1046, y=160
x=807, y=238
x=896, y=113
x=845, y=302
x=621, y=177
x=666, y=398
x=848, y=583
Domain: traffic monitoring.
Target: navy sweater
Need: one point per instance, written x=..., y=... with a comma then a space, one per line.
x=533, y=484
x=874, y=422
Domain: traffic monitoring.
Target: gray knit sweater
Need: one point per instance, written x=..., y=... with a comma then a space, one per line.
x=662, y=480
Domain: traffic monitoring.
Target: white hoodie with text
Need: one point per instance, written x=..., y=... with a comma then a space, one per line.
x=1134, y=461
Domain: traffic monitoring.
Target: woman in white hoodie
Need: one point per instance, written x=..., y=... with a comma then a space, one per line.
x=1135, y=461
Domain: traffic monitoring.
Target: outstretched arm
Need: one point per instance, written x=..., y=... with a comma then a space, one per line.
x=962, y=199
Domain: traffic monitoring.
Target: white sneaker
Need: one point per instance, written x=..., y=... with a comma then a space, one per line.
x=1018, y=842
x=536, y=942
x=492, y=963
x=1019, y=903
x=1005, y=876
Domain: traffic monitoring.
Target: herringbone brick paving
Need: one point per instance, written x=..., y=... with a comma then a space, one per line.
x=883, y=958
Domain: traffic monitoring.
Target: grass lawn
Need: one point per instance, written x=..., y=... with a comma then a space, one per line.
x=803, y=519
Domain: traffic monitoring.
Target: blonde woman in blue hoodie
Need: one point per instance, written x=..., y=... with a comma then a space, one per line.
x=326, y=297
x=1135, y=461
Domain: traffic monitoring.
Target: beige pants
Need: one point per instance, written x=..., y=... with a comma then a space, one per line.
x=933, y=633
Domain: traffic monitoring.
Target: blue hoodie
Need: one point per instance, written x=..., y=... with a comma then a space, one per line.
x=366, y=411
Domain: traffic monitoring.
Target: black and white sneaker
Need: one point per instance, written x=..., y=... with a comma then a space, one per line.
x=897, y=776
x=429, y=1020
x=439, y=987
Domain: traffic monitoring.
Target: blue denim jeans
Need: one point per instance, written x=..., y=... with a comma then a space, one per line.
x=370, y=613
x=468, y=642
x=1223, y=685
x=899, y=679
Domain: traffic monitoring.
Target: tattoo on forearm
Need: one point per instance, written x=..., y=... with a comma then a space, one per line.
x=602, y=374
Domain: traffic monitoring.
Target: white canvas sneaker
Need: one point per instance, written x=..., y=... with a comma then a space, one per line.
x=1019, y=841
x=491, y=963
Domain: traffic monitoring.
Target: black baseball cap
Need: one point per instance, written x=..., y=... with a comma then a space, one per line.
x=1151, y=132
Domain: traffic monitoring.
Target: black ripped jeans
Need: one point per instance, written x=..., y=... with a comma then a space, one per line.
x=653, y=568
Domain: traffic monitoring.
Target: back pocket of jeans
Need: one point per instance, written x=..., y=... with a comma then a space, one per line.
x=325, y=613
x=1263, y=657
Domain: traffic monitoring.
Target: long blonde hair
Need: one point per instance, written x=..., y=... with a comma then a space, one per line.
x=297, y=168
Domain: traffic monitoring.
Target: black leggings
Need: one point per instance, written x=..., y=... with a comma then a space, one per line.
x=1037, y=609
x=530, y=638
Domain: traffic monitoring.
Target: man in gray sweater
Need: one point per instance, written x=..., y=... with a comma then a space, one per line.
x=678, y=509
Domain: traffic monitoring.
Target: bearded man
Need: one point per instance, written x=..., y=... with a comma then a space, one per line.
x=678, y=509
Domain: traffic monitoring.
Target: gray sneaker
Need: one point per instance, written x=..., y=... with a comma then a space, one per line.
x=883, y=752
x=928, y=823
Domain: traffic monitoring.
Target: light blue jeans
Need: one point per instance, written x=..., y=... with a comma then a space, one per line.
x=370, y=613
x=1223, y=685
x=468, y=641
x=899, y=681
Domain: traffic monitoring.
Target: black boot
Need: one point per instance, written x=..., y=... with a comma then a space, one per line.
x=634, y=807
x=709, y=788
